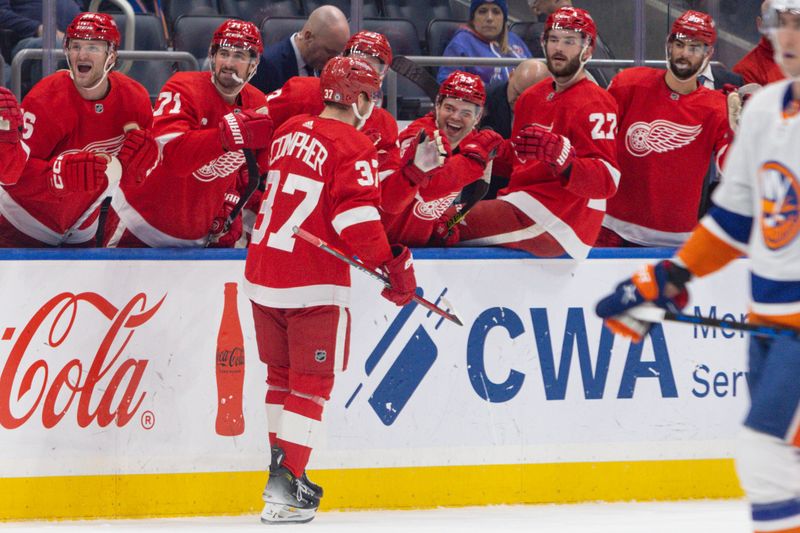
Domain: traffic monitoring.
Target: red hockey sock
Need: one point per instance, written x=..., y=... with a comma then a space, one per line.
x=299, y=421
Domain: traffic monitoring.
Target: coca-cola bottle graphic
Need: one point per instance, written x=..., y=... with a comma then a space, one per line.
x=230, y=368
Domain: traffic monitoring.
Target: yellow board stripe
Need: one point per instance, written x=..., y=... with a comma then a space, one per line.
x=221, y=493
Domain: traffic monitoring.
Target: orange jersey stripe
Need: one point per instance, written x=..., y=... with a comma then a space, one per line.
x=790, y=530
x=705, y=253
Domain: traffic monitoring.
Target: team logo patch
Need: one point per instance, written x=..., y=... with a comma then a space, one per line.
x=221, y=167
x=780, y=204
x=659, y=136
x=320, y=356
x=98, y=108
x=434, y=209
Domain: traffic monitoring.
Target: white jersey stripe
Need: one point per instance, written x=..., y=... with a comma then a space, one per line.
x=357, y=215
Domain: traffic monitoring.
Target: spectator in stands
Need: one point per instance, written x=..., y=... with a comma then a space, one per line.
x=499, y=111
x=24, y=17
x=485, y=35
x=759, y=66
x=669, y=128
x=304, y=53
x=541, y=9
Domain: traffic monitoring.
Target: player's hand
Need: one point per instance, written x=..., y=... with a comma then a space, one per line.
x=443, y=236
x=138, y=156
x=401, y=276
x=423, y=154
x=78, y=172
x=219, y=237
x=535, y=142
x=737, y=98
x=248, y=129
x=10, y=117
x=482, y=146
x=662, y=284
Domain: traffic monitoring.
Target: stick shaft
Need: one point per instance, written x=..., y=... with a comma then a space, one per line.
x=319, y=243
x=655, y=314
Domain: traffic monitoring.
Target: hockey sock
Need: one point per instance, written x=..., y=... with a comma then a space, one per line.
x=299, y=421
x=277, y=392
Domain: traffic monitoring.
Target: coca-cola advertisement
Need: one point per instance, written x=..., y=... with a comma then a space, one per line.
x=113, y=372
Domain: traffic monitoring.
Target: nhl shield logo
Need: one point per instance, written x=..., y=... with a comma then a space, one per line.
x=320, y=356
x=98, y=108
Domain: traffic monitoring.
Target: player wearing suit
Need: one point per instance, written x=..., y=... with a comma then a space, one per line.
x=757, y=213
x=74, y=122
x=669, y=129
x=13, y=152
x=564, y=135
x=202, y=122
x=323, y=179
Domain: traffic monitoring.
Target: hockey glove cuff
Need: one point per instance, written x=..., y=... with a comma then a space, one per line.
x=138, y=156
x=78, y=172
x=248, y=129
x=220, y=238
x=402, y=282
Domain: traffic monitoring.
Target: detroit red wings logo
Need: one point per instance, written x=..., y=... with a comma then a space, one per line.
x=434, y=209
x=659, y=136
x=221, y=167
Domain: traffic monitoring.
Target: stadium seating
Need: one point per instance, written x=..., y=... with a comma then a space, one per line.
x=257, y=10
x=149, y=35
x=173, y=9
x=193, y=33
x=419, y=12
x=370, y=7
x=439, y=34
x=274, y=29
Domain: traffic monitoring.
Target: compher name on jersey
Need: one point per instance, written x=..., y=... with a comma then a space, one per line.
x=301, y=146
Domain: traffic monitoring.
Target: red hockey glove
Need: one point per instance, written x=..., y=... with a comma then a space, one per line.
x=423, y=154
x=482, y=146
x=137, y=156
x=248, y=129
x=78, y=172
x=537, y=143
x=443, y=236
x=401, y=276
x=10, y=117
x=662, y=284
x=219, y=237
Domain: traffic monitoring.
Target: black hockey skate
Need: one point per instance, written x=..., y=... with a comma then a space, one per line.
x=277, y=458
x=287, y=498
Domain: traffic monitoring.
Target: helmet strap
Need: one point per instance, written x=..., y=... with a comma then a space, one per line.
x=362, y=118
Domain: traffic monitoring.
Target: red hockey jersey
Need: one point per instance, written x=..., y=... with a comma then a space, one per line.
x=410, y=212
x=301, y=94
x=570, y=211
x=177, y=203
x=666, y=142
x=758, y=65
x=57, y=120
x=322, y=178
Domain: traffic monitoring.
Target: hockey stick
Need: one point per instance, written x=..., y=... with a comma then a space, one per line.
x=319, y=243
x=656, y=314
x=416, y=75
x=253, y=178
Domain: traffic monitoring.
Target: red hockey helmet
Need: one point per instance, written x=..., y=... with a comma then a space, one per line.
x=344, y=78
x=694, y=26
x=572, y=19
x=93, y=27
x=237, y=34
x=372, y=44
x=463, y=86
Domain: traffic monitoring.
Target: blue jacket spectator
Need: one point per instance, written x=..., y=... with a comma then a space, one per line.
x=24, y=17
x=486, y=35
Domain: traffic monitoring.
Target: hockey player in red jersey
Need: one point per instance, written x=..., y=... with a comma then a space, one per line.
x=301, y=94
x=202, y=121
x=414, y=199
x=564, y=135
x=669, y=129
x=13, y=152
x=80, y=125
x=322, y=178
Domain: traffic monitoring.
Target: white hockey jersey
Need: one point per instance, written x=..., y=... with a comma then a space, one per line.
x=757, y=209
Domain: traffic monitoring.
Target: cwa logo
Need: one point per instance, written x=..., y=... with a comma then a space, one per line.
x=420, y=352
x=104, y=390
